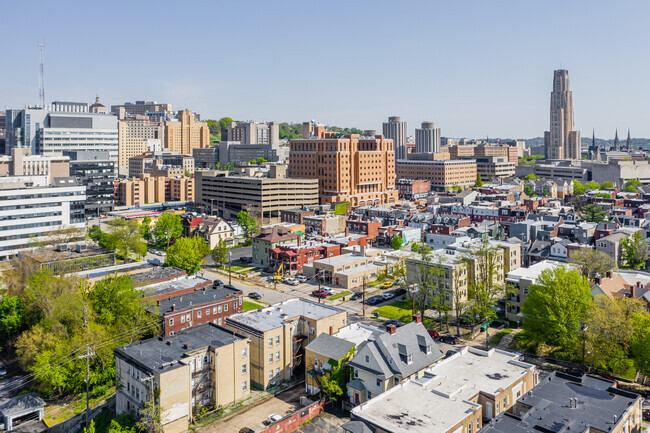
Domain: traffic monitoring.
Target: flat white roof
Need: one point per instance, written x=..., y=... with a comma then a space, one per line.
x=533, y=272
x=357, y=333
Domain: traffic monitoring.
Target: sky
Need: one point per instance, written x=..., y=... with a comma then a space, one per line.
x=476, y=68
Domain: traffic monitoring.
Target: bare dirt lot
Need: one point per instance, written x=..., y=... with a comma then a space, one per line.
x=282, y=404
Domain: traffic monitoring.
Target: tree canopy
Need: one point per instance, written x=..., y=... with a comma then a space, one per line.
x=124, y=237
x=634, y=250
x=168, y=227
x=247, y=223
x=220, y=253
x=187, y=254
x=593, y=213
x=397, y=242
x=592, y=263
x=556, y=306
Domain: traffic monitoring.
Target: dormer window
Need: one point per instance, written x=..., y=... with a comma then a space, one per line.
x=409, y=359
x=428, y=349
x=367, y=359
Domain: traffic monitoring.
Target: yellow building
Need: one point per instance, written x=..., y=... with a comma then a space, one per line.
x=136, y=136
x=148, y=189
x=186, y=133
x=319, y=354
x=279, y=335
x=203, y=365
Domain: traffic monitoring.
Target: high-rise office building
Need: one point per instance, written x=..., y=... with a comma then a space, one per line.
x=562, y=142
x=395, y=130
x=61, y=127
x=137, y=135
x=185, y=133
x=427, y=139
x=351, y=168
x=255, y=133
x=96, y=171
x=3, y=131
x=141, y=108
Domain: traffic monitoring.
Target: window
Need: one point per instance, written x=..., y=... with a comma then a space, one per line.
x=244, y=352
x=270, y=341
x=244, y=385
x=182, y=319
x=277, y=371
x=244, y=368
x=198, y=314
x=367, y=359
x=369, y=395
x=497, y=412
x=189, y=317
x=378, y=382
x=395, y=381
x=171, y=322
x=356, y=374
x=214, y=310
x=428, y=348
x=277, y=355
x=270, y=358
x=225, y=307
x=271, y=374
x=469, y=428
x=219, y=309
x=277, y=339
x=207, y=311
x=409, y=359
x=505, y=402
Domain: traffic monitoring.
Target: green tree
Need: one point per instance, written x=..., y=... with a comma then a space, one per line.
x=247, y=223
x=592, y=185
x=223, y=125
x=146, y=228
x=397, y=242
x=593, y=213
x=220, y=253
x=149, y=420
x=531, y=176
x=168, y=227
x=529, y=191
x=579, y=188
x=125, y=238
x=91, y=427
x=640, y=347
x=556, y=306
x=630, y=185
x=634, y=250
x=187, y=254
x=610, y=331
x=12, y=319
x=415, y=247
x=334, y=383
x=479, y=181
x=592, y=263
x=187, y=173
x=606, y=185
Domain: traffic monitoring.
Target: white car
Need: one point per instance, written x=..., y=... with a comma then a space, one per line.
x=301, y=278
x=387, y=296
x=3, y=370
x=291, y=281
x=330, y=291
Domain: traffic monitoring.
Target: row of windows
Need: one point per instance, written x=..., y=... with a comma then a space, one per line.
x=277, y=356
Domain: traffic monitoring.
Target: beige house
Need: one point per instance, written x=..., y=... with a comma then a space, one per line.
x=214, y=230
x=455, y=396
x=518, y=284
x=611, y=245
x=204, y=365
x=279, y=335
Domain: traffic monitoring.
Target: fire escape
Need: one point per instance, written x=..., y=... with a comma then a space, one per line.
x=298, y=354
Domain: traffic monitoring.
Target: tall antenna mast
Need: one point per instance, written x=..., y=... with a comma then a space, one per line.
x=41, y=83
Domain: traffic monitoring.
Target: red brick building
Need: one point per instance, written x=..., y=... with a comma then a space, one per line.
x=295, y=216
x=364, y=227
x=293, y=257
x=410, y=189
x=201, y=306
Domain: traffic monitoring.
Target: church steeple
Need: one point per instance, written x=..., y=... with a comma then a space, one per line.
x=628, y=142
x=617, y=143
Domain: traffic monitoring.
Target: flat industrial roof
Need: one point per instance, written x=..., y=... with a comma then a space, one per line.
x=274, y=316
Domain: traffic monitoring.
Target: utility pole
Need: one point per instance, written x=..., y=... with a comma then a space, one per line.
x=229, y=264
x=363, y=303
x=319, y=292
x=584, y=338
x=88, y=354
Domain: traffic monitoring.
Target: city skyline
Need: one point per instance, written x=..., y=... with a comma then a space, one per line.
x=474, y=70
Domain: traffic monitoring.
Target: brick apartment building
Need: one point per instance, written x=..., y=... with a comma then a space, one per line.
x=442, y=173
x=413, y=189
x=349, y=168
x=293, y=257
x=365, y=227
x=295, y=216
x=207, y=305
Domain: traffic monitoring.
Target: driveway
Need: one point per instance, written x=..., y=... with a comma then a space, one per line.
x=282, y=404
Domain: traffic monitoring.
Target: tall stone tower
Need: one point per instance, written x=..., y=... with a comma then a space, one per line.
x=628, y=142
x=561, y=141
x=617, y=143
x=395, y=129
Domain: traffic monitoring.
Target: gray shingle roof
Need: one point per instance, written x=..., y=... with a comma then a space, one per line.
x=330, y=346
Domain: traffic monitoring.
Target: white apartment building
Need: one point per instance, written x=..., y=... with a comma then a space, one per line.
x=31, y=206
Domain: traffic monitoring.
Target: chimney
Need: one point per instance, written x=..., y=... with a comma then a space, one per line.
x=633, y=290
x=391, y=329
x=158, y=301
x=417, y=318
x=362, y=249
x=186, y=346
x=173, y=307
x=609, y=274
x=331, y=330
x=347, y=231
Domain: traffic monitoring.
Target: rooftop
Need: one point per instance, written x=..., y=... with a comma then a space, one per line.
x=165, y=353
x=330, y=346
x=170, y=287
x=157, y=275
x=357, y=333
x=597, y=406
x=67, y=251
x=197, y=298
x=276, y=315
x=533, y=272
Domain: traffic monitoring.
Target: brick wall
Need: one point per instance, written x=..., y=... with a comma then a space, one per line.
x=291, y=422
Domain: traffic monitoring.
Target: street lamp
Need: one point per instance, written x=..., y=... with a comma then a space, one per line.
x=229, y=263
x=584, y=337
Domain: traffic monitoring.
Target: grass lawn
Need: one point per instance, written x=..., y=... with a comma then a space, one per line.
x=58, y=411
x=496, y=338
x=248, y=305
x=339, y=296
x=400, y=310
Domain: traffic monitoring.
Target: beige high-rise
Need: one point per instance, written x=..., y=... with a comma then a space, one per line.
x=186, y=133
x=136, y=136
x=562, y=142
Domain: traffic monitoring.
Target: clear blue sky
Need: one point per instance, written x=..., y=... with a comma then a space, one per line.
x=475, y=68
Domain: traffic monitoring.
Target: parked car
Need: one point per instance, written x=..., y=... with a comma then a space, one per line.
x=255, y=295
x=3, y=370
x=449, y=339
x=387, y=285
x=301, y=278
x=356, y=295
x=399, y=292
x=217, y=283
x=321, y=293
x=328, y=290
x=433, y=333
x=393, y=322
x=291, y=281
x=387, y=296
x=374, y=300
x=246, y=259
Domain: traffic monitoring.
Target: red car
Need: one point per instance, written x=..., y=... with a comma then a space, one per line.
x=433, y=333
x=321, y=293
